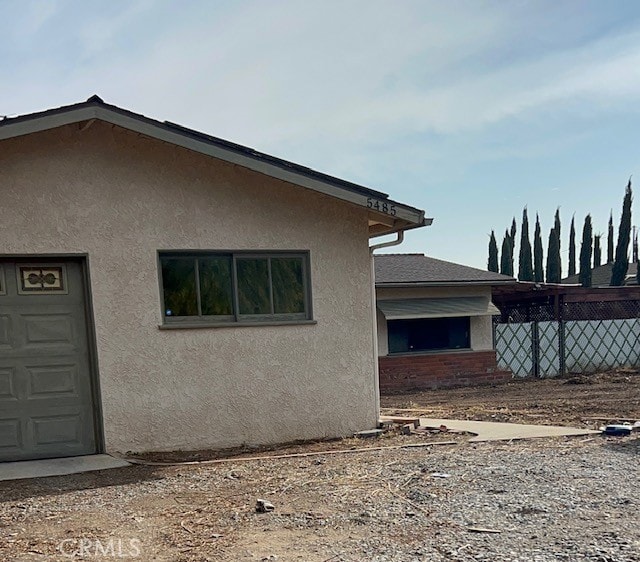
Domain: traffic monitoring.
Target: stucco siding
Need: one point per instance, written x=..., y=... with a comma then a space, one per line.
x=383, y=334
x=480, y=326
x=119, y=198
x=481, y=333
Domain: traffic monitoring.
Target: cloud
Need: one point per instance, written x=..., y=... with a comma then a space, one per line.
x=270, y=74
x=24, y=21
x=100, y=32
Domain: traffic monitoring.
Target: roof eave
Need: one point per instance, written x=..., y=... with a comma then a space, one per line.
x=386, y=227
x=405, y=217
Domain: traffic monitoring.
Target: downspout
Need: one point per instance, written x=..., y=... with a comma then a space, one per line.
x=374, y=310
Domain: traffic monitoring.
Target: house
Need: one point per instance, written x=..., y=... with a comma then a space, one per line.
x=435, y=323
x=601, y=276
x=163, y=289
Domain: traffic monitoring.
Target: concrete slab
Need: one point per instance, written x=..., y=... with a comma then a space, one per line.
x=493, y=431
x=58, y=467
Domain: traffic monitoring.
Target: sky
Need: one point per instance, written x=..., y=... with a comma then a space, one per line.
x=470, y=110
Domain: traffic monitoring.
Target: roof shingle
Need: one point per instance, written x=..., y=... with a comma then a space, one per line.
x=419, y=269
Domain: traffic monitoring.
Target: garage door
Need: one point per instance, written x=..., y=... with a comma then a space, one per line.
x=46, y=398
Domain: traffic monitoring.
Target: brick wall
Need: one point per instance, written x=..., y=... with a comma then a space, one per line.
x=440, y=370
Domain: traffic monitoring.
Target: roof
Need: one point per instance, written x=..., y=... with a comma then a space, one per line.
x=385, y=215
x=419, y=270
x=601, y=276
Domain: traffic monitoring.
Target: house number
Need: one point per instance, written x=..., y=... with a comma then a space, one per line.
x=381, y=206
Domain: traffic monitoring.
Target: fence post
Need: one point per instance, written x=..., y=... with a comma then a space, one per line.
x=561, y=336
x=535, y=349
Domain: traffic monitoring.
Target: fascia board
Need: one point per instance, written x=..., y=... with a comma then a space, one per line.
x=442, y=284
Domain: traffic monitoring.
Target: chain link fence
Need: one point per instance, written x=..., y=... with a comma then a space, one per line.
x=546, y=339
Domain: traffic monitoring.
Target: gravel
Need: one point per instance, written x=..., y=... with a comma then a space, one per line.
x=544, y=500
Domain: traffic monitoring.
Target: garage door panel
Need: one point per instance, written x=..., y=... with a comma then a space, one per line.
x=52, y=381
x=8, y=390
x=5, y=331
x=63, y=429
x=11, y=441
x=51, y=330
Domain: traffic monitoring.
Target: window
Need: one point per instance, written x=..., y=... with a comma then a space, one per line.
x=428, y=334
x=42, y=279
x=212, y=287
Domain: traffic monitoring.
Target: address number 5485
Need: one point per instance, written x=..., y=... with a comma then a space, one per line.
x=381, y=206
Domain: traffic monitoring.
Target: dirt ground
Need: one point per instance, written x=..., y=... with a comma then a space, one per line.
x=383, y=504
x=577, y=400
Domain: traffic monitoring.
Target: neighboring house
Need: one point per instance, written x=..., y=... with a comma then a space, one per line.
x=164, y=289
x=601, y=276
x=434, y=323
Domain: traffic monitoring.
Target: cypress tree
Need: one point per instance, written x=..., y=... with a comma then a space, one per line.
x=512, y=236
x=492, y=264
x=553, y=255
x=525, y=264
x=556, y=226
x=506, y=261
x=597, y=251
x=558, y=231
x=610, y=240
x=538, y=267
x=638, y=272
x=621, y=262
x=558, y=258
x=585, y=253
x=572, y=248
x=634, y=259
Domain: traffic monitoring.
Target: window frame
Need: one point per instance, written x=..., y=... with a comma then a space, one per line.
x=237, y=319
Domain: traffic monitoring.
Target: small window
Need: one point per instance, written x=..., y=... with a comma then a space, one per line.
x=41, y=279
x=213, y=288
x=428, y=334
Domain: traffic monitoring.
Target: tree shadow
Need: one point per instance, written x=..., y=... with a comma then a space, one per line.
x=16, y=490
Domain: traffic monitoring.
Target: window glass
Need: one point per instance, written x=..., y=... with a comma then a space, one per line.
x=288, y=285
x=253, y=286
x=179, y=287
x=428, y=334
x=459, y=332
x=398, y=333
x=216, y=286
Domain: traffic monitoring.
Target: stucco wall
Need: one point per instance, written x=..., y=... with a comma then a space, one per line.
x=480, y=326
x=481, y=333
x=120, y=197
